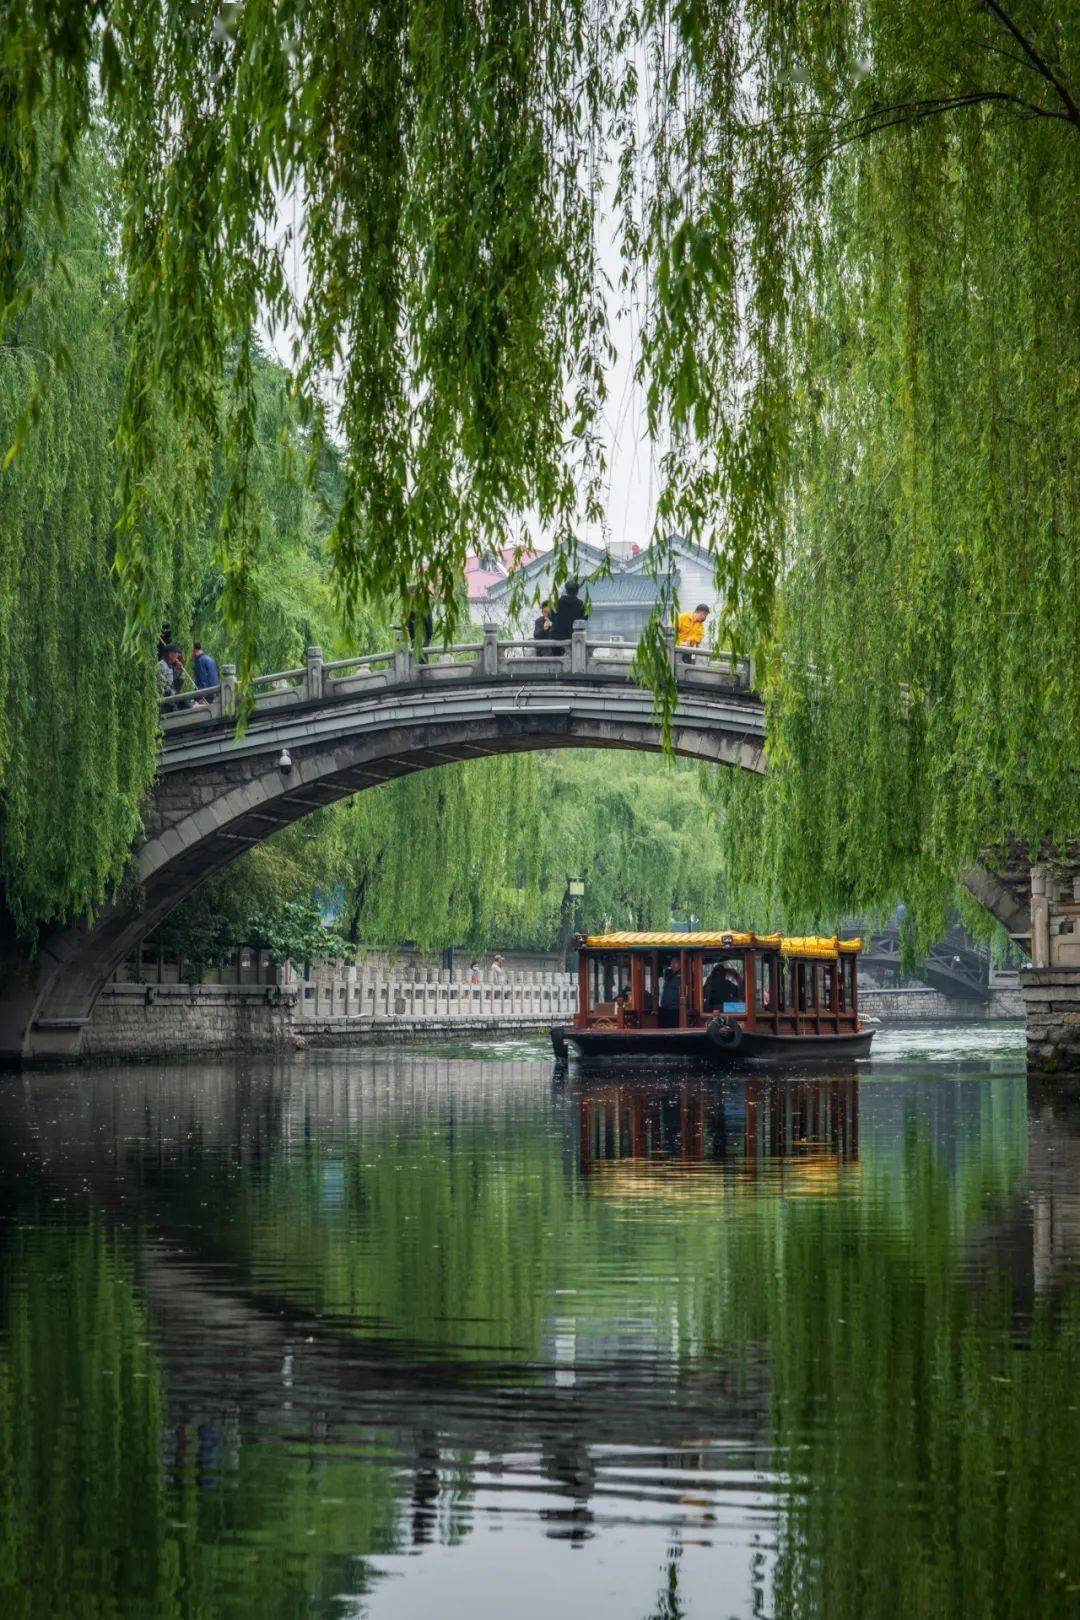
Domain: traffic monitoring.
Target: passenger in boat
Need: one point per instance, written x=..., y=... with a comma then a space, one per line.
x=722, y=985
x=669, y=995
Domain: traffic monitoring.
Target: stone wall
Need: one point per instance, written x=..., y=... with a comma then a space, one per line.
x=138, y=1021
x=1052, y=1001
x=929, y=1006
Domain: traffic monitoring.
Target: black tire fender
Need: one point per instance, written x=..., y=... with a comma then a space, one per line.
x=725, y=1033
x=558, y=1044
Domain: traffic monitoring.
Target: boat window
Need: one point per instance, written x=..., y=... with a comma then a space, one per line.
x=787, y=984
x=610, y=980
x=827, y=985
x=762, y=982
x=723, y=983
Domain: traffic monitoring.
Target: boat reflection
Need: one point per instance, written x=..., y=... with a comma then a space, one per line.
x=640, y=1137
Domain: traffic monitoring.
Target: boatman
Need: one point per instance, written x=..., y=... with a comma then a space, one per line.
x=669, y=995
x=690, y=629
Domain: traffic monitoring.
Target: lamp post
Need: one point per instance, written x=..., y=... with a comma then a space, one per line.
x=575, y=890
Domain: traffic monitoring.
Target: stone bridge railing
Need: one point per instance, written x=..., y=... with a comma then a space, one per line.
x=319, y=681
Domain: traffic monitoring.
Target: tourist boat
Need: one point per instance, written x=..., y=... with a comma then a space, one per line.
x=717, y=998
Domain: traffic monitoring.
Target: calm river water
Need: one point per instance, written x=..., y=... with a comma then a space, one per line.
x=420, y=1333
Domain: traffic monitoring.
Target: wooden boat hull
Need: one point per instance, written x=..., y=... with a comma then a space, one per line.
x=756, y=1046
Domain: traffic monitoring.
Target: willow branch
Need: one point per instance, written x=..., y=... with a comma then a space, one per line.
x=910, y=112
x=1037, y=60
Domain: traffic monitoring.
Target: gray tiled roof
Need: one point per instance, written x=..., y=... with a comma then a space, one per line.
x=622, y=588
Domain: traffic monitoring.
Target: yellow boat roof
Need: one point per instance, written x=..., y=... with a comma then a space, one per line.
x=810, y=945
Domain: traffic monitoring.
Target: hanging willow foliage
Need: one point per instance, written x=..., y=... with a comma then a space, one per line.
x=77, y=721
x=924, y=696
x=851, y=237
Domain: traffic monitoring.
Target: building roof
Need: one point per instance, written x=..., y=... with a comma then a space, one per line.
x=622, y=588
x=679, y=546
x=480, y=575
x=818, y=945
x=588, y=557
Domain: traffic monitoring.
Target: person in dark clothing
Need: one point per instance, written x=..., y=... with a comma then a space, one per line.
x=669, y=995
x=420, y=622
x=542, y=630
x=570, y=608
x=205, y=671
x=204, y=668
x=722, y=985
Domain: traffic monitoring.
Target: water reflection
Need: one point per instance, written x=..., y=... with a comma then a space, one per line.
x=414, y=1333
x=750, y=1125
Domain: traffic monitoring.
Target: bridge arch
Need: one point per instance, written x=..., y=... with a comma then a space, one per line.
x=219, y=793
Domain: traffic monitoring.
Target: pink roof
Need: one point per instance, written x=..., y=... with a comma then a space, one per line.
x=480, y=576
x=507, y=555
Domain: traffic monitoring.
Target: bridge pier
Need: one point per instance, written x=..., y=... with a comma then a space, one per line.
x=1051, y=985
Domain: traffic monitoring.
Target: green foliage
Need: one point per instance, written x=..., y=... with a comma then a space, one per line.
x=266, y=900
x=638, y=830
x=923, y=703
x=77, y=724
x=850, y=238
x=477, y=855
x=77, y=703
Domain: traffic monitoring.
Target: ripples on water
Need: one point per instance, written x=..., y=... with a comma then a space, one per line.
x=418, y=1332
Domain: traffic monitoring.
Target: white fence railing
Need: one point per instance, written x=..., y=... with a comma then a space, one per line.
x=386, y=998
x=373, y=991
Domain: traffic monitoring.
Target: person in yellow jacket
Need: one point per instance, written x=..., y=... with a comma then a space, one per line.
x=690, y=630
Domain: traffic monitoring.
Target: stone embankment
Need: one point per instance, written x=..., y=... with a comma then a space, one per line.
x=920, y=1004
x=149, y=1011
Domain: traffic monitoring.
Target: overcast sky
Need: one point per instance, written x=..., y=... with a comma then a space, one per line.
x=631, y=482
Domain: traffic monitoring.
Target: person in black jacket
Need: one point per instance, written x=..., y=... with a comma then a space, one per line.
x=570, y=607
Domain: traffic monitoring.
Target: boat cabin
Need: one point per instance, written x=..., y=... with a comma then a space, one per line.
x=764, y=983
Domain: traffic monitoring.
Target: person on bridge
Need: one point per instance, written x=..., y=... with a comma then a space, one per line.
x=542, y=630
x=206, y=674
x=174, y=672
x=690, y=629
x=204, y=669
x=570, y=608
x=420, y=624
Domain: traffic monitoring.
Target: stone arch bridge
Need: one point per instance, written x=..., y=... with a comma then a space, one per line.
x=327, y=730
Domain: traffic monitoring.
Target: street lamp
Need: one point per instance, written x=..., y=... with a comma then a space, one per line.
x=575, y=891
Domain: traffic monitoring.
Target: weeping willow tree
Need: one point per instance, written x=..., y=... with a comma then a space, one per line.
x=849, y=241
x=923, y=697
x=76, y=713
x=479, y=854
